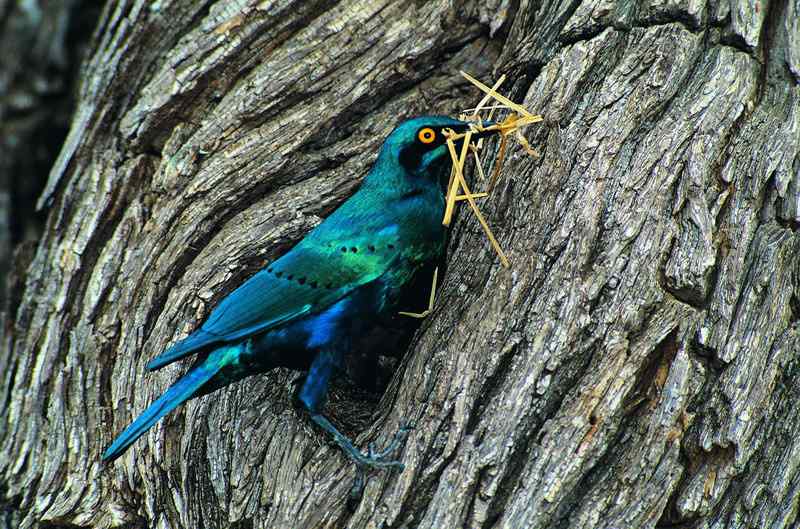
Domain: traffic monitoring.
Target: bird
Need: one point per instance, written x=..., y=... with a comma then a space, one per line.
x=307, y=309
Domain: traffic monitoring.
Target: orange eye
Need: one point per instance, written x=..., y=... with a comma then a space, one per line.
x=426, y=135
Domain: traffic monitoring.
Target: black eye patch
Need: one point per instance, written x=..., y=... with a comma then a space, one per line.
x=410, y=157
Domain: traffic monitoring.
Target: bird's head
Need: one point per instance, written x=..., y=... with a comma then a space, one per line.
x=418, y=148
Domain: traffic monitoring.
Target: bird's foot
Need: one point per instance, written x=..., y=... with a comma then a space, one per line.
x=401, y=433
x=374, y=459
x=364, y=462
x=380, y=459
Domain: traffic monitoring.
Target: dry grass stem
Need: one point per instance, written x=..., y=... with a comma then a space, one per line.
x=519, y=117
x=487, y=97
x=458, y=165
x=478, y=164
x=501, y=98
x=459, y=198
x=501, y=156
x=484, y=224
x=431, y=300
x=457, y=188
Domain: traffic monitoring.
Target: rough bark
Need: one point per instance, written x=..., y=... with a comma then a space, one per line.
x=40, y=49
x=634, y=368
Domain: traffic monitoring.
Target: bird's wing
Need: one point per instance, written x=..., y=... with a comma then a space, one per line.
x=312, y=276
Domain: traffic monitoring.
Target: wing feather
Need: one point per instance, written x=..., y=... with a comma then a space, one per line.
x=311, y=277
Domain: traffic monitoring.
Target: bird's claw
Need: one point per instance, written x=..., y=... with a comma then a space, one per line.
x=374, y=459
x=371, y=459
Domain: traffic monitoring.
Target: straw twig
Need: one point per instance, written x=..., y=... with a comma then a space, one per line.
x=431, y=300
x=458, y=166
x=457, y=188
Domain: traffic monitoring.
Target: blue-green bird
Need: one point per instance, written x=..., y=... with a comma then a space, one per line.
x=307, y=309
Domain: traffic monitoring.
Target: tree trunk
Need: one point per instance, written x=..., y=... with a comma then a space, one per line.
x=40, y=50
x=634, y=368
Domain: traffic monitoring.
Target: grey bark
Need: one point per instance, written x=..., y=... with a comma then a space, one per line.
x=634, y=368
x=41, y=45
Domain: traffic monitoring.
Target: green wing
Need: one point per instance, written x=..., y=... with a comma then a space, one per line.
x=315, y=274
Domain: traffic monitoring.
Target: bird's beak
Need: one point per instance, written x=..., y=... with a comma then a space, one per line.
x=487, y=128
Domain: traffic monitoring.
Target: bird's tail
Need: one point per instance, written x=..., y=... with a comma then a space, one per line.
x=184, y=389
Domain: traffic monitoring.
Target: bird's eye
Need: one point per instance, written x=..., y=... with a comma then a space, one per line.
x=426, y=135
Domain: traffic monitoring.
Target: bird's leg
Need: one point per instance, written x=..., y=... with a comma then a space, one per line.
x=370, y=459
x=312, y=395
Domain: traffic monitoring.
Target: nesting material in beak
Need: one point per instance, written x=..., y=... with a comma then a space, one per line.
x=479, y=129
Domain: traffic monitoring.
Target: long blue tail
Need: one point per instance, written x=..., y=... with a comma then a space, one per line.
x=182, y=390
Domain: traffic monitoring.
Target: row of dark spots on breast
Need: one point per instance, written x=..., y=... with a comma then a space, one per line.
x=314, y=284
x=301, y=280
x=371, y=248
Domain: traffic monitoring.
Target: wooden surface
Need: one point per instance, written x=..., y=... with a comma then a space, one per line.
x=636, y=367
